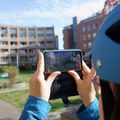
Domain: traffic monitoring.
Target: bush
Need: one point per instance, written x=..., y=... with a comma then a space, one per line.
x=13, y=71
x=27, y=67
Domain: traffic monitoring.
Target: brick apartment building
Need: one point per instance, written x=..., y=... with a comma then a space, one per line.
x=85, y=32
x=20, y=45
x=87, y=29
x=82, y=35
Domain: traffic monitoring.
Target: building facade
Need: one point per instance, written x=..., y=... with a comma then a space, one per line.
x=86, y=30
x=67, y=37
x=20, y=45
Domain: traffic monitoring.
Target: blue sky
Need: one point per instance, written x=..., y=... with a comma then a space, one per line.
x=57, y=13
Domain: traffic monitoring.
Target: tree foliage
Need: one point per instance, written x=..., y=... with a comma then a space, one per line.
x=13, y=71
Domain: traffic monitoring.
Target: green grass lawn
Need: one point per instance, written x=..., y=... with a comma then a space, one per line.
x=18, y=98
x=24, y=76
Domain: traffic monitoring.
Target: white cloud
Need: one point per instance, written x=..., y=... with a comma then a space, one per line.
x=47, y=11
x=59, y=10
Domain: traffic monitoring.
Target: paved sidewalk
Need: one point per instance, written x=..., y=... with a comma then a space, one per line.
x=8, y=111
x=71, y=111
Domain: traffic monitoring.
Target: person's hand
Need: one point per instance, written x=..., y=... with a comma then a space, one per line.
x=85, y=87
x=40, y=87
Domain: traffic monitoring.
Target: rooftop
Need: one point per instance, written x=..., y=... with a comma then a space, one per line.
x=91, y=18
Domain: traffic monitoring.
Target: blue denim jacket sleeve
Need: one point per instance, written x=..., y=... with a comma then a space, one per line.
x=35, y=109
x=90, y=113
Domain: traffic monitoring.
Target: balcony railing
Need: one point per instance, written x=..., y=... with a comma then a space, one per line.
x=4, y=52
x=3, y=63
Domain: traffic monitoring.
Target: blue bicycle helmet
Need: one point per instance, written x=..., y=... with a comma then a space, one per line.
x=106, y=48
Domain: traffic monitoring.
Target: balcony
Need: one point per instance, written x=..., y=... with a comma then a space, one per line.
x=23, y=44
x=32, y=60
x=4, y=51
x=32, y=52
x=4, y=60
x=13, y=52
x=3, y=63
x=32, y=44
x=13, y=43
x=3, y=43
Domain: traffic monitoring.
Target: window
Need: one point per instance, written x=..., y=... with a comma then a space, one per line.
x=3, y=32
x=49, y=37
x=94, y=35
x=3, y=43
x=31, y=33
x=13, y=32
x=13, y=59
x=42, y=44
x=88, y=27
x=24, y=51
x=84, y=37
x=84, y=29
x=41, y=37
x=32, y=44
x=4, y=51
x=22, y=33
x=13, y=43
x=4, y=59
x=32, y=51
x=38, y=43
x=32, y=59
x=84, y=45
x=89, y=36
x=49, y=44
x=89, y=44
x=23, y=59
x=13, y=51
x=23, y=43
x=40, y=31
x=94, y=26
x=49, y=31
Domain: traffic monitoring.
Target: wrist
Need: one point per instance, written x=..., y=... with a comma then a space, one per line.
x=88, y=102
x=40, y=97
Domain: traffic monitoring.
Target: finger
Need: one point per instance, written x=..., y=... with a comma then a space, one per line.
x=40, y=65
x=84, y=73
x=52, y=76
x=91, y=75
x=86, y=69
x=75, y=76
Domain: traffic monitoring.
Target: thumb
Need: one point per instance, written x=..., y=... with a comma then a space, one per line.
x=75, y=76
x=40, y=65
x=52, y=76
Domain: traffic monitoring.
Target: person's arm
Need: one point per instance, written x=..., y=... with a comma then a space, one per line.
x=37, y=106
x=35, y=109
x=89, y=113
x=89, y=109
x=85, y=87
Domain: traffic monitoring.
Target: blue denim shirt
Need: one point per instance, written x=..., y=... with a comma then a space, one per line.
x=90, y=113
x=37, y=109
